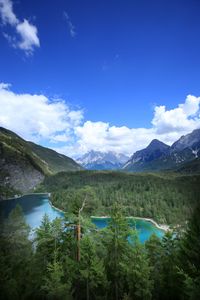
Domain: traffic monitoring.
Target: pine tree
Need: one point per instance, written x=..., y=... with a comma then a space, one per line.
x=55, y=285
x=47, y=241
x=117, y=248
x=138, y=271
x=190, y=256
x=170, y=278
x=91, y=271
x=154, y=254
x=15, y=256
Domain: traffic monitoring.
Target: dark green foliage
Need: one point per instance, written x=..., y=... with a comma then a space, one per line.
x=15, y=257
x=54, y=285
x=154, y=253
x=190, y=255
x=117, y=249
x=191, y=167
x=138, y=273
x=167, y=198
x=47, y=242
x=113, y=263
x=92, y=277
x=170, y=279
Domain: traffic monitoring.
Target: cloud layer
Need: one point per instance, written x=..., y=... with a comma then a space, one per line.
x=52, y=122
x=27, y=34
x=37, y=118
x=181, y=119
x=167, y=126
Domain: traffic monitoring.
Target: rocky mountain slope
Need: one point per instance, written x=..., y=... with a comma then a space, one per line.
x=158, y=156
x=144, y=158
x=97, y=160
x=23, y=164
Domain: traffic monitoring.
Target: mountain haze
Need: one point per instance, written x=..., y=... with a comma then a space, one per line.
x=97, y=160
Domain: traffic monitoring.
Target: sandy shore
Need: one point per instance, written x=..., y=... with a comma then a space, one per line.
x=56, y=208
x=102, y=217
x=163, y=227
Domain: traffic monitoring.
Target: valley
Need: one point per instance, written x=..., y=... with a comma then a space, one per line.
x=168, y=195
x=100, y=150
x=57, y=243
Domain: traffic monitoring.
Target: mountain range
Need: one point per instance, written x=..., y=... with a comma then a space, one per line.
x=97, y=160
x=155, y=157
x=24, y=165
x=159, y=156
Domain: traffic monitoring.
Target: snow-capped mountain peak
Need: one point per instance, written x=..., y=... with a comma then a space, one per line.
x=97, y=160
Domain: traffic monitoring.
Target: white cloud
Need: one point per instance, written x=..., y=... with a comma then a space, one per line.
x=191, y=105
x=60, y=138
x=46, y=121
x=4, y=86
x=27, y=33
x=71, y=27
x=29, y=38
x=168, y=126
x=103, y=137
x=184, y=118
x=6, y=10
x=37, y=118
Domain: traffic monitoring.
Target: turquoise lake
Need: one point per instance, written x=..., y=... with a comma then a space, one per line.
x=35, y=206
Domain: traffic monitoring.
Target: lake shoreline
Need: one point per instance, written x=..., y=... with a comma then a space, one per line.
x=21, y=196
x=56, y=208
x=163, y=227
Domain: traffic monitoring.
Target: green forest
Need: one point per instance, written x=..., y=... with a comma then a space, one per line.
x=100, y=264
x=71, y=259
x=167, y=198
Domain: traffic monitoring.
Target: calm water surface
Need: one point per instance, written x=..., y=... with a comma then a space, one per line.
x=35, y=206
x=145, y=229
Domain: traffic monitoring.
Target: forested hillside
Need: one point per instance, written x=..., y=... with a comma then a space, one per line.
x=167, y=198
x=23, y=165
x=101, y=265
x=192, y=167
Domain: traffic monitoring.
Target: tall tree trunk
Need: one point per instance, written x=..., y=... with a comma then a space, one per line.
x=78, y=228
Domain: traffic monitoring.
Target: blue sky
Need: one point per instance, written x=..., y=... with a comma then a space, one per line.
x=110, y=63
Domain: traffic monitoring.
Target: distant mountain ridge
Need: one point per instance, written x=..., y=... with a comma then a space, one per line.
x=191, y=140
x=145, y=156
x=159, y=156
x=97, y=160
x=24, y=164
x=155, y=157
